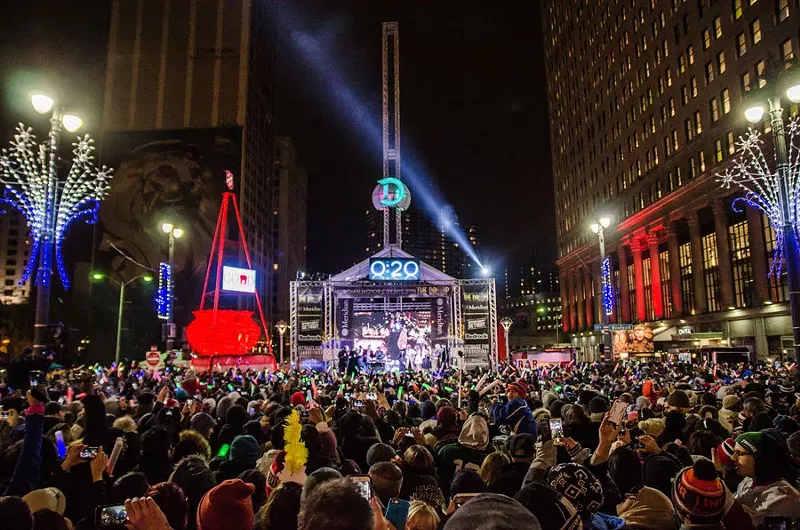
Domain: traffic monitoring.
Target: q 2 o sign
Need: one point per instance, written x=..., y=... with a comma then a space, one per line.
x=238, y=280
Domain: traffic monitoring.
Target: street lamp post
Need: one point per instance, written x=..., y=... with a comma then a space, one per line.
x=281, y=326
x=786, y=202
x=506, y=323
x=44, y=104
x=173, y=233
x=100, y=276
x=598, y=227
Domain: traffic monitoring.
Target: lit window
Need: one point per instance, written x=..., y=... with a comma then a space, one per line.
x=761, y=66
x=755, y=31
x=706, y=39
x=726, y=101
x=709, y=71
x=690, y=50
x=721, y=62
x=783, y=10
x=718, y=27
x=698, y=125
x=714, y=107
x=738, y=9
x=787, y=52
x=718, y=154
x=741, y=44
x=746, y=82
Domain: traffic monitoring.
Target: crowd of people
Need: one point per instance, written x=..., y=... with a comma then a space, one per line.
x=585, y=446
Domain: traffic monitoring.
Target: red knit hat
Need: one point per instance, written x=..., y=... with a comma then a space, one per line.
x=226, y=506
x=520, y=386
x=298, y=398
x=725, y=451
x=273, y=481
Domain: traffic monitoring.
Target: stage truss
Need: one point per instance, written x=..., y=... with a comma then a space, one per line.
x=315, y=333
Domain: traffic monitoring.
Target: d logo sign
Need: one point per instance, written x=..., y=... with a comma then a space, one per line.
x=391, y=193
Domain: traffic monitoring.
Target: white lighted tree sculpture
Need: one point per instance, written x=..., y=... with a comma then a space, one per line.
x=767, y=186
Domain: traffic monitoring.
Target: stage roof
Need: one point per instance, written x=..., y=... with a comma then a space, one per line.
x=360, y=271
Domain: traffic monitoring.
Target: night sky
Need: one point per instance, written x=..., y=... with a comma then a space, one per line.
x=474, y=107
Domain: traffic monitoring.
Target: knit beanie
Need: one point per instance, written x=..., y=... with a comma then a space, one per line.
x=380, y=453
x=679, y=399
x=541, y=414
x=786, y=424
x=298, y=398
x=202, y=422
x=223, y=406
x=698, y=494
x=750, y=441
x=552, y=509
x=597, y=405
x=244, y=450
x=642, y=402
x=725, y=451
x=492, y=512
x=227, y=506
x=579, y=485
x=520, y=386
x=275, y=469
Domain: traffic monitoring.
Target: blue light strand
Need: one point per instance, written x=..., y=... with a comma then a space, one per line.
x=164, y=293
x=608, y=290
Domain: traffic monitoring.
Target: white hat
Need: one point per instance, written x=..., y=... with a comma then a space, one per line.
x=46, y=499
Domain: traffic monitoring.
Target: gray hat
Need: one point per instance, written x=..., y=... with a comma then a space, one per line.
x=491, y=511
x=380, y=453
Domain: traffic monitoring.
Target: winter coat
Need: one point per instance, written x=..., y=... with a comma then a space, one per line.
x=517, y=415
x=777, y=499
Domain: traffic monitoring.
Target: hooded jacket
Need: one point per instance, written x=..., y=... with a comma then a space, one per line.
x=517, y=415
x=468, y=452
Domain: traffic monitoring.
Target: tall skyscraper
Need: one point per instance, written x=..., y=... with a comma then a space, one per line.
x=646, y=104
x=190, y=93
x=14, y=252
x=289, y=215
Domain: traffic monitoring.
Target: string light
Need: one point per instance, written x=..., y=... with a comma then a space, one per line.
x=26, y=167
x=164, y=294
x=608, y=291
x=751, y=172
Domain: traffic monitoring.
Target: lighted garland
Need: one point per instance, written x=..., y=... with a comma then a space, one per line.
x=608, y=290
x=751, y=172
x=24, y=167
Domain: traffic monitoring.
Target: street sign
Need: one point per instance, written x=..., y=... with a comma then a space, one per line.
x=613, y=327
x=153, y=358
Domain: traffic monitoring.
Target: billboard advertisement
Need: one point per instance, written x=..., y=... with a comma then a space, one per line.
x=634, y=341
x=310, y=314
x=476, y=322
x=238, y=280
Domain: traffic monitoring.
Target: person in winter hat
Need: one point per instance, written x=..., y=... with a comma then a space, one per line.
x=469, y=449
x=699, y=495
x=762, y=461
x=492, y=512
x=679, y=401
x=585, y=491
x=516, y=413
x=728, y=414
x=227, y=506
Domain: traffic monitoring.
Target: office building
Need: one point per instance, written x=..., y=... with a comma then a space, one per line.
x=14, y=253
x=190, y=93
x=524, y=279
x=427, y=241
x=646, y=105
x=289, y=215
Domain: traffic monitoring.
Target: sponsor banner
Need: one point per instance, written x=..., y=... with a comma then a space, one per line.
x=309, y=353
x=310, y=300
x=440, y=318
x=344, y=320
x=238, y=280
x=399, y=290
x=477, y=335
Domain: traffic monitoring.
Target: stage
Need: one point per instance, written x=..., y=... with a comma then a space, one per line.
x=395, y=306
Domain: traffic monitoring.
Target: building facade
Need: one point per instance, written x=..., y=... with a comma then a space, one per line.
x=537, y=320
x=14, y=254
x=646, y=106
x=528, y=279
x=200, y=73
x=427, y=240
x=289, y=218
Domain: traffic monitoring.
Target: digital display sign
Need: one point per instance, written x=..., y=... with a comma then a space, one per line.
x=238, y=280
x=394, y=269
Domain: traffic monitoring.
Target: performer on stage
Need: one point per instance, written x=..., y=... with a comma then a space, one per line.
x=344, y=354
x=352, y=362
